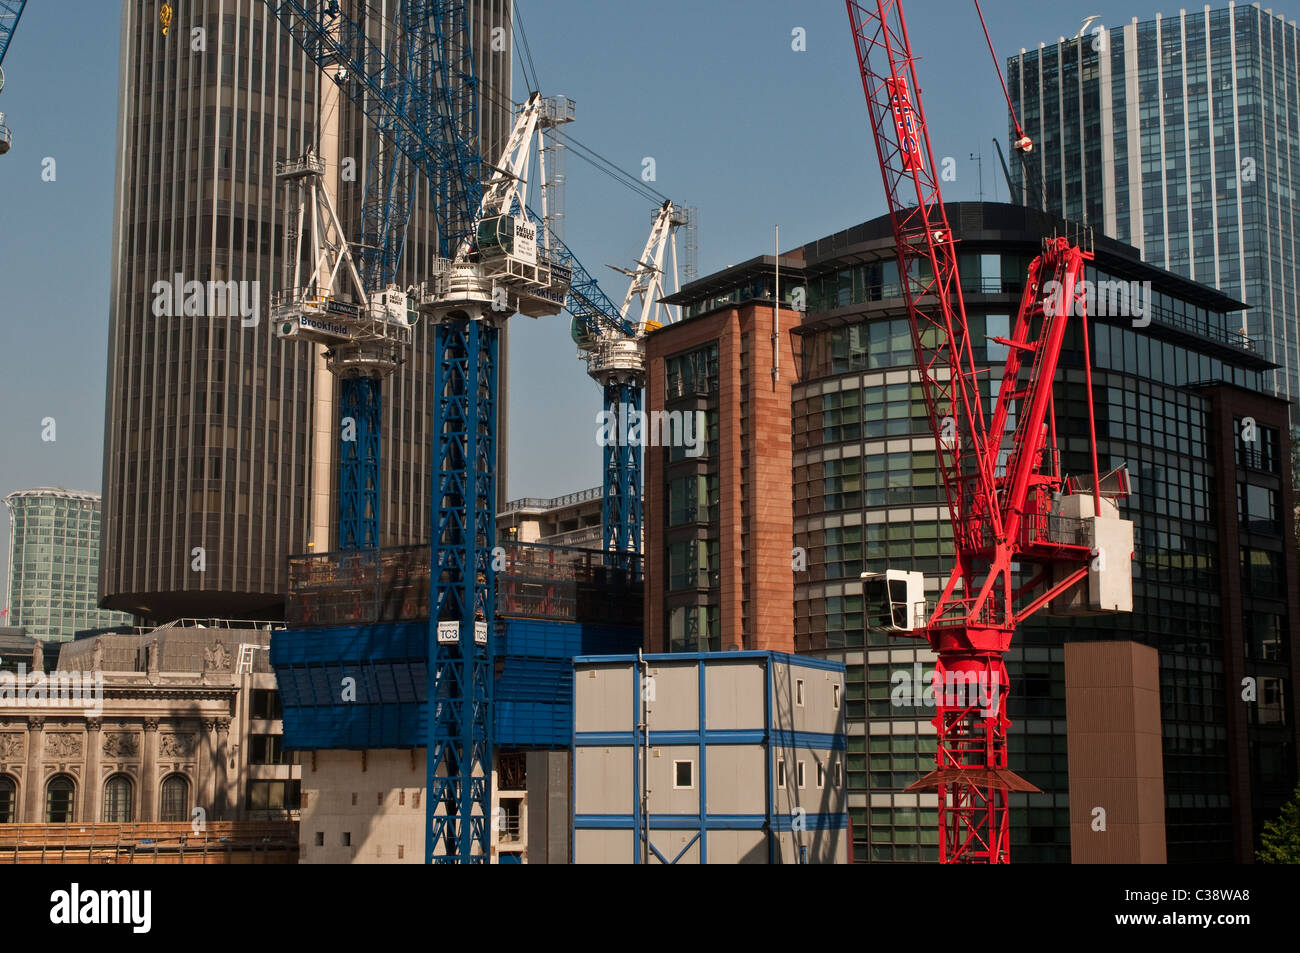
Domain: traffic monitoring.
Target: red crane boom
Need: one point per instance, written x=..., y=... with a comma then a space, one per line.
x=1009, y=505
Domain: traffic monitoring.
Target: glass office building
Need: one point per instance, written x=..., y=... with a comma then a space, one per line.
x=1179, y=135
x=53, y=587
x=1170, y=397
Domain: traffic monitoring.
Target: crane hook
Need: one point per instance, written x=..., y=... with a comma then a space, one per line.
x=165, y=16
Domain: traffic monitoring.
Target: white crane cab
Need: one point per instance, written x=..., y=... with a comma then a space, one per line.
x=894, y=600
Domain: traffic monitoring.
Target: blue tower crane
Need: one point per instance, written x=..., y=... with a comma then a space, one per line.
x=496, y=257
x=11, y=12
x=614, y=349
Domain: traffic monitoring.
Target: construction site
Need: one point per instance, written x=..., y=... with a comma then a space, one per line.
x=921, y=545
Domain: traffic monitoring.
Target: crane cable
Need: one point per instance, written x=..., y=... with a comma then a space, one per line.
x=495, y=97
x=1023, y=144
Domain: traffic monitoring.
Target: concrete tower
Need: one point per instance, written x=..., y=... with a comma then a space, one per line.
x=215, y=469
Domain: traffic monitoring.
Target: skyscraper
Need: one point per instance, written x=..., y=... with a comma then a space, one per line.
x=219, y=437
x=53, y=586
x=1180, y=136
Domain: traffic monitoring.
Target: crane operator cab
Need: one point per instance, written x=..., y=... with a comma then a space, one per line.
x=894, y=600
x=510, y=253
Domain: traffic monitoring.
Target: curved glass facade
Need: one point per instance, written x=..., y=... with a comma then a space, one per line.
x=867, y=497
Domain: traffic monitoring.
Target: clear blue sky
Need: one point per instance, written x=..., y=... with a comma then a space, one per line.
x=739, y=124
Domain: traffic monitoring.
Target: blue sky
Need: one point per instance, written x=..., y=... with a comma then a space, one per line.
x=740, y=125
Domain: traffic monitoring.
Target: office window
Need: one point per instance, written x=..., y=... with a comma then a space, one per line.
x=267, y=749
x=8, y=800
x=273, y=795
x=117, y=800
x=59, y=800
x=265, y=704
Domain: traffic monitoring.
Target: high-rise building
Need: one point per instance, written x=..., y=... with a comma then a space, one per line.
x=1178, y=398
x=219, y=438
x=1178, y=135
x=53, y=586
x=717, y=491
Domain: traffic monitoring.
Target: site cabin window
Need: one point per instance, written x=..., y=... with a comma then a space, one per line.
x=839, y=775
x=798, y=691
x=835, y=697
x=780, y=773
x=821, y=776
x=320, y=838
x=683, y=775
x=799, y=774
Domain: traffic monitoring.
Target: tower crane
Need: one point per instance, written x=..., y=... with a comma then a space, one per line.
x=615, y=355
x=11, y=12
x=497, y=256
x=1024, y=535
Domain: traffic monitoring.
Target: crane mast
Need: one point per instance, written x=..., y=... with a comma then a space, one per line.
x=496, y=257
x=1010, y=507
x=614, y=351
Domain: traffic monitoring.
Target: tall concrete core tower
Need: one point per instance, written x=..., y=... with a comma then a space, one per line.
x=219, y=438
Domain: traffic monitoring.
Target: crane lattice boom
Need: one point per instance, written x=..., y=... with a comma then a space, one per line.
x=1009, y=505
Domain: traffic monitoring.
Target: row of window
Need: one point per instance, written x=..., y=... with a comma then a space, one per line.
x=118, y=803
x=692, y=373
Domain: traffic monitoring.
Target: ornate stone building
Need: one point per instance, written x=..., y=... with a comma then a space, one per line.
x=184, y=725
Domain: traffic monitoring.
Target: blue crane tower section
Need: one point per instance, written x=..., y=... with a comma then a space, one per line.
x=420, y=94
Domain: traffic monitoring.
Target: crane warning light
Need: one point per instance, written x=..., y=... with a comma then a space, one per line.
x=909, y=140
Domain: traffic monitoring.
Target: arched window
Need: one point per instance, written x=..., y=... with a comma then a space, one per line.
x=58, y=799
x=117, y=800
x=175, y=799
x=8, y=800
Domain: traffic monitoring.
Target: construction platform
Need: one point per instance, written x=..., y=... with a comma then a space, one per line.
x=363, y=616
x=219, y=842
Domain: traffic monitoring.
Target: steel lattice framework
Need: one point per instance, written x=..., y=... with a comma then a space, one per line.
x=460, y=688
x=612, y=342
x=420, y=95
x=359, y=438
x=999, y=502
x=11, y=12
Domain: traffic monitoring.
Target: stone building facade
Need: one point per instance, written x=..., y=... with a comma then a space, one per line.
x=182, y=725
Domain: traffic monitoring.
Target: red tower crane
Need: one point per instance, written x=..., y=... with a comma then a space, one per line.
x=1024, y=536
